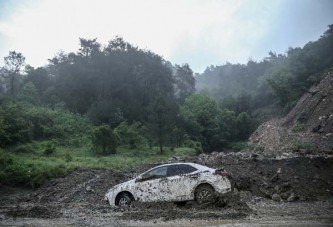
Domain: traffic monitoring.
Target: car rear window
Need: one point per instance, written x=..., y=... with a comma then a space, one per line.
x=180, y=169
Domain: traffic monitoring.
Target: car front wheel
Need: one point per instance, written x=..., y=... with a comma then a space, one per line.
x=205, y=194
x=124, y=200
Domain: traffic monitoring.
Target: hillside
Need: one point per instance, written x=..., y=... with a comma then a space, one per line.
x=307, y=128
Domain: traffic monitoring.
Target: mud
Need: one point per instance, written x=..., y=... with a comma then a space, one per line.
x=227, y=207
x=306, y=178
x=263, y=189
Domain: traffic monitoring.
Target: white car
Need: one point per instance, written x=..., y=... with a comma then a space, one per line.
x=174, y=182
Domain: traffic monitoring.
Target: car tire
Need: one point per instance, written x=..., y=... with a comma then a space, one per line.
x=205, y=194
x=124, y=200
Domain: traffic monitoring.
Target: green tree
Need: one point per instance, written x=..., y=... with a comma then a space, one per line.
x=104, y=140
x=29, y=93
x=244, y=125
x=200, y=114
x=11, y=71
x=161, y=120
x=185, y=82
x=130, y=134
x=228, y=129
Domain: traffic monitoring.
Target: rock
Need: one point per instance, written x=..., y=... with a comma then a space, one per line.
x=292, y=197
x=254, y=156
x=285, y=195
x=265, y=191
x=245, y=195
x=302, y=198
x=89, y=189
x=286, y=185
x=276, y=197
x=274, y=178
x=256, y=199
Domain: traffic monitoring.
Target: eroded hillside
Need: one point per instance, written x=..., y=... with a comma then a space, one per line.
x=306, y=130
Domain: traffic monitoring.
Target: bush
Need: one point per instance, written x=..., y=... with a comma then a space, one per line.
x=25, y=148
x=299, y=127
x=15, y=171
x=196, y=145
x=68, y=157
x=50, y=149
x=131, y=134
x=23, y=123
x=239, y=146
x=307, y=147
x=104, y=140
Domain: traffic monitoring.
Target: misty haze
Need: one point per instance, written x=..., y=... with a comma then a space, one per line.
x=94, y=93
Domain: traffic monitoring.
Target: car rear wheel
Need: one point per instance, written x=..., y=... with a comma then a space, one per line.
x=205, y=194
x=124, y=200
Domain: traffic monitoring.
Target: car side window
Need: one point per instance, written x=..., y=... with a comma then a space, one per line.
x=174, y=170
x=156, y=173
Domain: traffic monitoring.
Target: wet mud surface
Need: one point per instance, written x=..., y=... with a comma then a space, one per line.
x=264, y=191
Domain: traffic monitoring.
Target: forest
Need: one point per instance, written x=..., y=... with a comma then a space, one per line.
x=113, y=105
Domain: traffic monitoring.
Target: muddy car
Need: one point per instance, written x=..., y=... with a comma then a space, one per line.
x=175, y=182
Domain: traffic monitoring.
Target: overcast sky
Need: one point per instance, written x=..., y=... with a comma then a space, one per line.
x=198, y=32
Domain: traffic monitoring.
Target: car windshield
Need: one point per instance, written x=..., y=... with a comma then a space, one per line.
x=157, y=172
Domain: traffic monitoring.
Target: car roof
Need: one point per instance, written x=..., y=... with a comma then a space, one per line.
x=197, y=166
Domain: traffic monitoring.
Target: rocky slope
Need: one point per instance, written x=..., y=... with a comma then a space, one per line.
x=306, y=130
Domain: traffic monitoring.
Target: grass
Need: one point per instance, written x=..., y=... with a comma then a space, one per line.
x=30, y=165
x=308, y=147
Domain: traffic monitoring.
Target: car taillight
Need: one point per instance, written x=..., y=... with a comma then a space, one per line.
x=221, y=172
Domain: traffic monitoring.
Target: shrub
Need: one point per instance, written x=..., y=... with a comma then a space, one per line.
x=50, y=149
x=196, y=145
x=131, y=134
x=305, y=146
x=299, y=127
x=25, y=148
x=68, y=157
x=104, y=140
x=238, y=146
x=15, y=171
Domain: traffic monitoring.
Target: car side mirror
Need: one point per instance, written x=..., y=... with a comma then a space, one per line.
x=138, y=179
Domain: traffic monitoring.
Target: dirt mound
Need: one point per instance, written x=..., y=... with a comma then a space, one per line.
x=307, y=129
x=82, y=185
x=291, y=179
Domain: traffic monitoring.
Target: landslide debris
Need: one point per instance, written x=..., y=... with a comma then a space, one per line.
x=288, y=180
x=81, y=193
x=82, y=185
x=306, y=130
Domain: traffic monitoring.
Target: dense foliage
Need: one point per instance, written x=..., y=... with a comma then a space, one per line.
x=121, y=95
x=272, y=86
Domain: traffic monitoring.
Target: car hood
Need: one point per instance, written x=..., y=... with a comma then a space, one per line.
x=124, y=184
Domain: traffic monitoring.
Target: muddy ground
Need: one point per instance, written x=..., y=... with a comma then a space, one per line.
x=264, y=191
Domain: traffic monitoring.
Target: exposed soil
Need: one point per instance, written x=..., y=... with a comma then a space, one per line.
x=306, y=130
x=260, y=186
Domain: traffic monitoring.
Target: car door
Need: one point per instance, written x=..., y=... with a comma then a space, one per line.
x=180, y=182
x=151, y=186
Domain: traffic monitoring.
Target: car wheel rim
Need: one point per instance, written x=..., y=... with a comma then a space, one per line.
x=204, y=196
x=123, y=202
